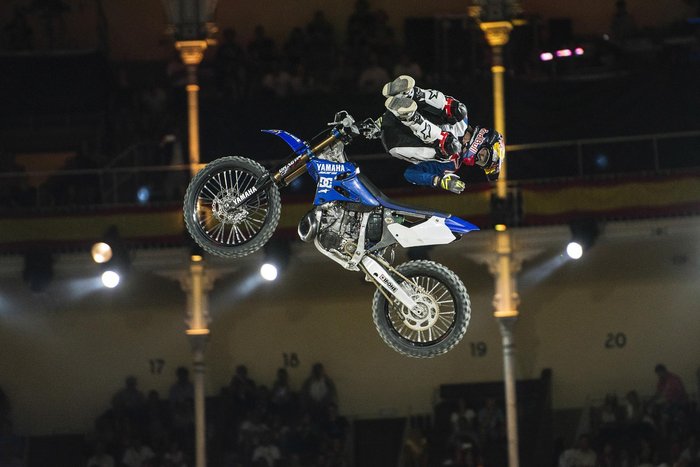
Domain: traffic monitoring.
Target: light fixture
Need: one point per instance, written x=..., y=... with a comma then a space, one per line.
x=584, y=233
x=574, y=250
x=268, y=271
x=110, y=279
x=277, y=256
x=101, y=252
x=112, y=256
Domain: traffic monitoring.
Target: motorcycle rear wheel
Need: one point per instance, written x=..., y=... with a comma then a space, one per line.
x=212, y=222
x=437, y=325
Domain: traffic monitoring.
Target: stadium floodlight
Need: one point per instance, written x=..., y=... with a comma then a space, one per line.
x=268, y=271
x=101, y=252
x=574, y=250
x=110, y=279
x=584, y=233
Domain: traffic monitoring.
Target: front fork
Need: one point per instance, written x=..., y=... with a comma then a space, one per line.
x=382, y=278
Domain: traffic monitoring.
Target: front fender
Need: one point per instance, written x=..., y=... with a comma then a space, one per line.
x=297, y=145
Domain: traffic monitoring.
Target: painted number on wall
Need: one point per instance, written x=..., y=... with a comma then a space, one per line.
x=478, y=349
x=290, y=359
x=615, y=340
x=156, y=365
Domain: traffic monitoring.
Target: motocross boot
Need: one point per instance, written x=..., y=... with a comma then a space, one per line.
x=401, y=85
x=402, y=107
x=450, y=182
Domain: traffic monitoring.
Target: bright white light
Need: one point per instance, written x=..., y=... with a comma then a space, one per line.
x=101, y=252
x=578, y=50
x=546, y=56
x=564, y=53
x=574, y=250
x=268, y=272
x=110, y=279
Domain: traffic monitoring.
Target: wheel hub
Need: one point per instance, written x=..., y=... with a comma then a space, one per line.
x=424, y=315
x=223, y=208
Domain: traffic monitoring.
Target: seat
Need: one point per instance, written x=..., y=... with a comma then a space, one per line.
x=388, y=203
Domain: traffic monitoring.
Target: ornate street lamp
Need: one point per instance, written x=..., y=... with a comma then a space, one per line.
x=496, y=18
x=191, y=25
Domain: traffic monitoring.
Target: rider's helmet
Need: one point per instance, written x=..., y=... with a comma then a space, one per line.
x=487, y=149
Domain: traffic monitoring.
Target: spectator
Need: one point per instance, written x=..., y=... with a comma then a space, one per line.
x=242, y=390
x=296, y=46
x=5, y=420
x=181, y=401
x=282, y=398
x=491, y=420
x=579, y=456
x=334, y=426
x=137, y=453
x=415, y=448
x=359, y=31
x=463, y=416
x=622, y=26
x=407, y=66
x=669, y=387
x=174, y=457
x=690, y=456
x=321, y=45
x=343, y=76
x=129, y=400
x=17, y=33
x=318, y=392
x=612, y=457
x=100, y=458
x=266, y=450
x=230, y=66
x=262, y=54
x=277, y=81
x=373, y=76
x=182, y=390
x=157, y=418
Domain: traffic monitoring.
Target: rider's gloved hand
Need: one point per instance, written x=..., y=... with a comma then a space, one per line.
x=450, y=182
x=371, y=129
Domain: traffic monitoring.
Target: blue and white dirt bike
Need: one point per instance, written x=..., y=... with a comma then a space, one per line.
x=420, y=308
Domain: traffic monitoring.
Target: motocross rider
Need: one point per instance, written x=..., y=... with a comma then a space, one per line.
x=432, y=131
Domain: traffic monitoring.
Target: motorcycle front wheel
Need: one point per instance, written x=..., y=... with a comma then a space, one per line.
x=212, y=217
x=439, y=321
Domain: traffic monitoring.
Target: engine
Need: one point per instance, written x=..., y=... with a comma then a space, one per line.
x=339, y=229
x=335, y=228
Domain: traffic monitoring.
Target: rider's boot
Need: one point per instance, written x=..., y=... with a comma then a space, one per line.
x=403, y=108
x=449, y=108
x=400, y=86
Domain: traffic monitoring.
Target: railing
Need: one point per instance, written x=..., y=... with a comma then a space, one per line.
x=655, y=154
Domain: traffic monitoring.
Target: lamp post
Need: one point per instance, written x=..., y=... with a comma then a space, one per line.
x=495, y=19
x=191, y=24
x=197, y=283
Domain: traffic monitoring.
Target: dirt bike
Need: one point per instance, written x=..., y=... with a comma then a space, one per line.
x=420, y=308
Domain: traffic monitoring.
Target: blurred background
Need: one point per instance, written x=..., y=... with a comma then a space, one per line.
x=603, y=134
